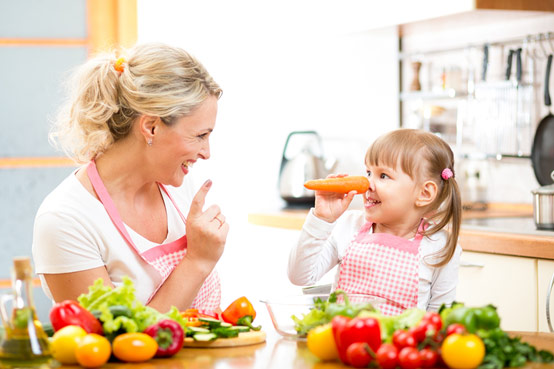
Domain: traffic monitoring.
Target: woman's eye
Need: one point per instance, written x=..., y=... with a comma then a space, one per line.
x=203, y=136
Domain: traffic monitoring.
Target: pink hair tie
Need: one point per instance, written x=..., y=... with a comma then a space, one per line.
x=447, y=174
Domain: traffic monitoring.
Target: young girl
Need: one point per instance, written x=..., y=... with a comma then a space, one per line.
x=397, y=248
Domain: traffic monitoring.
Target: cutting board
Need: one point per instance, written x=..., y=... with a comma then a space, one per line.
x=244, y=339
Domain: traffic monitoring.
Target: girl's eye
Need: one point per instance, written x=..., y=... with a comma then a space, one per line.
x=384, y=176
x=369, y=173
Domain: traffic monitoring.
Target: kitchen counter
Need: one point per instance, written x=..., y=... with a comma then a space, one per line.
x=278, y=352
x=506, y=229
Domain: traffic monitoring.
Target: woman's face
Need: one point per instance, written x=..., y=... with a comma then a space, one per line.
x=180, y=145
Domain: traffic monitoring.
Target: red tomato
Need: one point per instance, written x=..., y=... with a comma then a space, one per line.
x=409, y=358
x=402, y=338
x=455, y=328
x=422, y=330
x=434, y=318
x=387, y=356
x=429, y=358
x=358, y=355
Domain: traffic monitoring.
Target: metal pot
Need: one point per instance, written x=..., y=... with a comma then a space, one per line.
x=543, y=206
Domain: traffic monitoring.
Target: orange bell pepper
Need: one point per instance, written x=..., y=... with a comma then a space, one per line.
x=240, y=312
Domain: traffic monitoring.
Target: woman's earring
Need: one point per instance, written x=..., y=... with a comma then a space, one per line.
x=149, y=142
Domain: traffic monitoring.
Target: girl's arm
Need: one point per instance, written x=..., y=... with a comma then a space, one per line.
x=444, y=282
x=320, y=247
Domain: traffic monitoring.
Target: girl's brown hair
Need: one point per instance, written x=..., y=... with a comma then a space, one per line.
x=423, y=156
x=105, y=98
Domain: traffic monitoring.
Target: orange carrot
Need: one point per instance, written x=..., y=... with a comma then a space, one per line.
x=360, y=184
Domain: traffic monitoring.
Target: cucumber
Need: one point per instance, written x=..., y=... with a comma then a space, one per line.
x=199, y=330
x=204, y=337
x=226, y=325
x=212, y=323
x=241, y=328
x=225, y=332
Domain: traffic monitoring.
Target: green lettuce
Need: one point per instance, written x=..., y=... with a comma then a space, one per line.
x=102, y=299
x=389, y=324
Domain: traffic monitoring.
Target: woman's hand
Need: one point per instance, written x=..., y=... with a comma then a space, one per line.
x=329, y=206
x=206, y=231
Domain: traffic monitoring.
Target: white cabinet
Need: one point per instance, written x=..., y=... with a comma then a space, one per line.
x=508, y=282
x=545, y=276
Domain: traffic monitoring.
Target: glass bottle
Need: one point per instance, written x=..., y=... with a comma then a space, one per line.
x=24, y=343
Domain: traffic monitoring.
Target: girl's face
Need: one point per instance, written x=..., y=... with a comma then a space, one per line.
x=183, y=143
x=391, y=196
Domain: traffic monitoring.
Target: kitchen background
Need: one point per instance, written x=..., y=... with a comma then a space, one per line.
x=343, y=69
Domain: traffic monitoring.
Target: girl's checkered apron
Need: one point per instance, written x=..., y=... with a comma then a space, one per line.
x=382, y=265
x=165, y=257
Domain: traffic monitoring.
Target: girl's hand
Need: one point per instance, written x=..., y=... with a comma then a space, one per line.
x=329, y=206
x=206, y=231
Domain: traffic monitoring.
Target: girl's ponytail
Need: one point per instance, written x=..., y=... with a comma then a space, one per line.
x=450, y=213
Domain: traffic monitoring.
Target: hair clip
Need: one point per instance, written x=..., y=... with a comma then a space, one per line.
x=118, y=65
x=447, y=174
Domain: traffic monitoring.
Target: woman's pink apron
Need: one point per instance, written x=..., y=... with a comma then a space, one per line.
x=382, y=265
x=165, y=257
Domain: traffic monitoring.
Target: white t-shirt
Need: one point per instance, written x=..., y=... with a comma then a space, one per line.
x=73, y=232
x=322, y=245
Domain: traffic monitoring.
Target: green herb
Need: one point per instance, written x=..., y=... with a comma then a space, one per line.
x=505, y=351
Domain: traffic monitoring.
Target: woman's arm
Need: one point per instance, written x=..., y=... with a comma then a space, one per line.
x=68, y=286
x=206, y=236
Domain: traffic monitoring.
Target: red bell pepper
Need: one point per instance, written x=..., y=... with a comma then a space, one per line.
x=347, y=331
x=240, y=312
x=69, y=312
x=169, y=335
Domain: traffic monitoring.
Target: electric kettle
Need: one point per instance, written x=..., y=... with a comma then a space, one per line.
x=306, y=164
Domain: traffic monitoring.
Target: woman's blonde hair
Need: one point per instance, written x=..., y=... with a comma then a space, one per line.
x=423, y=156
x=105, y=99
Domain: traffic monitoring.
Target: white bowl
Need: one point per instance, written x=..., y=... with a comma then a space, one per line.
x=282, y=309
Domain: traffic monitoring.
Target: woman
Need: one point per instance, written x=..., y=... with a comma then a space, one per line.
x=137, y=125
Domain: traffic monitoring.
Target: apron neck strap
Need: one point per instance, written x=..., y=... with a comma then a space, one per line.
x=106, y=200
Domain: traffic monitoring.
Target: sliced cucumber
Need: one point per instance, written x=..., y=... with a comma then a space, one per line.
x=212, y=323
x=199, y=330
x=241, y=328
x=226, y=325
x=225, y=332
x=204, y=337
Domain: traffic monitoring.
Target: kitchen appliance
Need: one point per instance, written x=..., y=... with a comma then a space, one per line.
x=302, y=160
x=543, y=206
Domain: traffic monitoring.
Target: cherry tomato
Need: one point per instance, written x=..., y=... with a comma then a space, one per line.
x=134, y=347
x=93, y=350
x=455, y=328
x=387, y=356
x=434, y=318
x=402, y=338
x=429, y=358
x=409, y=358
x=463, y=351
x=422, y=330
x=358, y=355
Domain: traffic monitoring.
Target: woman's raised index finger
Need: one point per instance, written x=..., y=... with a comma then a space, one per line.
x=198, y=200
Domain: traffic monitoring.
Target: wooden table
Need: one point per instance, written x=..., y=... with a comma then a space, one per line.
x=277, y=353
